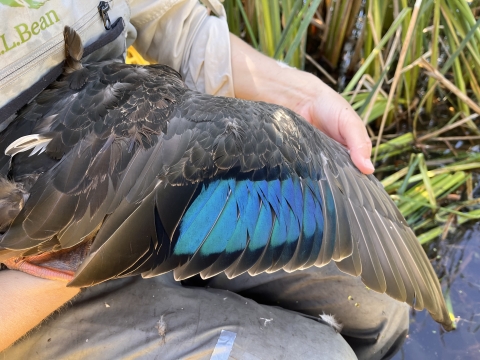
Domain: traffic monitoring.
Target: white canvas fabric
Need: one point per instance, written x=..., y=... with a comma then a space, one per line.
x=178, y=33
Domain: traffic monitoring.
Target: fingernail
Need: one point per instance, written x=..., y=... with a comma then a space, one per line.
x=368, y=164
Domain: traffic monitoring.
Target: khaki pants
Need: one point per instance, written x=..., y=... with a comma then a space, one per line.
x=160, y=318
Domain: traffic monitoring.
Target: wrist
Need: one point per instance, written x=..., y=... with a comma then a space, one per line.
x=296, y=90
x=260, y=78
x=292, y=88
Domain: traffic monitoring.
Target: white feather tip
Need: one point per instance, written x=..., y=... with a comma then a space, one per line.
x=36, y=142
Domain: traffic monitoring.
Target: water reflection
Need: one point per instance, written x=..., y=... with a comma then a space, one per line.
x=459, y=266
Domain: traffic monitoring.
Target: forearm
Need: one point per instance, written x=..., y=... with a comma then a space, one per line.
x=26, y=301
x=260, y=78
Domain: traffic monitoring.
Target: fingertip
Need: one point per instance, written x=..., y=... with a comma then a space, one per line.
x=369, y=168
x=364, y=164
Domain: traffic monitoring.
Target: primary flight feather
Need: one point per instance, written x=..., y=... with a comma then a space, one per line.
x=145, y=176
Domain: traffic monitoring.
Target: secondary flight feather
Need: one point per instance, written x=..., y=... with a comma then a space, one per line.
x=127, y=167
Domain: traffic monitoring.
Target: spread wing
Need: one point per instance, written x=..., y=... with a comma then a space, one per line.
x=170, y=179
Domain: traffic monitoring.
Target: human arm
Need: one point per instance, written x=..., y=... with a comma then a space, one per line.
x=27, y=300
x=258, y=77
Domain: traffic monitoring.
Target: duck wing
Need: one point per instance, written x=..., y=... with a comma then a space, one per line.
x=164, y=178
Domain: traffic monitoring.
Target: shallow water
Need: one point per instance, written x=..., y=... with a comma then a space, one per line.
x=459, y=267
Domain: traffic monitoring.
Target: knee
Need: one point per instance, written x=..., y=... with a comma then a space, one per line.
x=380, y=333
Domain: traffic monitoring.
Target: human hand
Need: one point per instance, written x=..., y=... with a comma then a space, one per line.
x=260, y=78
x=331, y=113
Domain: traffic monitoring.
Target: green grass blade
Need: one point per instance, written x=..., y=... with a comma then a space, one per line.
x=448, y=301
x=460, y=48
x=289, y=29
x=375, y=87
x=434, y=233
x=253, y=39
x=377, y=49
x=434, y=56
x=398, y=142
x=392, y=179
x=303, y=27
x=426, y=180
x=411, y=168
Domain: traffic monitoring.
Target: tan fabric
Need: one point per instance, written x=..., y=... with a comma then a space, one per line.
x=31, y=38
x=178, y=33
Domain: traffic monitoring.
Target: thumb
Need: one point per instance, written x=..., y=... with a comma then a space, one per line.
x=357, y=140
x=360, y=155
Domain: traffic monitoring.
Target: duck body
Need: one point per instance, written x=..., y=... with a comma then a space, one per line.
x=149, y=176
